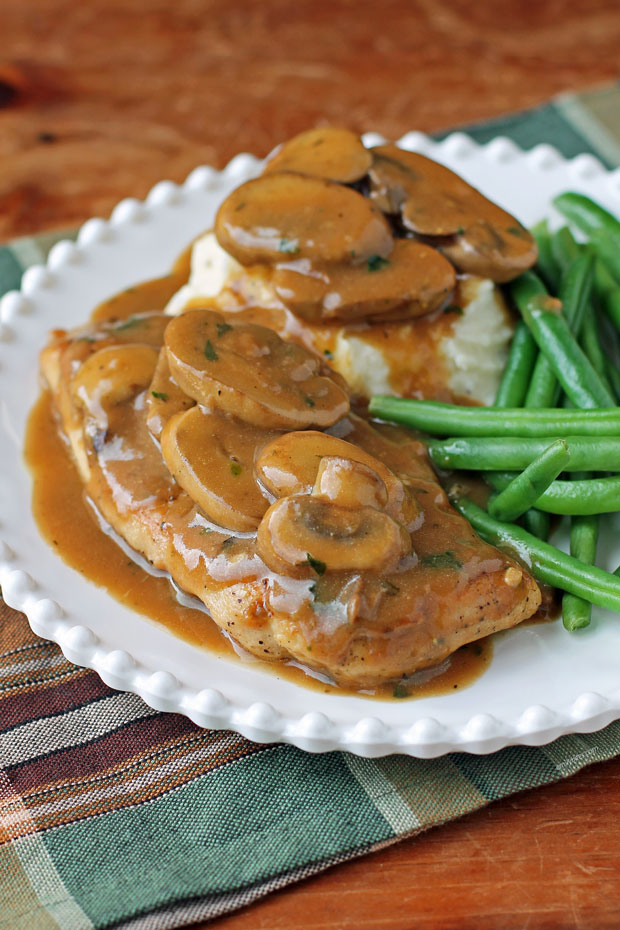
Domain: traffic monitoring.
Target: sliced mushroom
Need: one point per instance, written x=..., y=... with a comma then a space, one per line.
x=146, y=328
x=250, y=372
x=113, y=376
x=289, y=214
x=305, y=536
x=290, y=465
x=415, y=278
x=331, y=153
x=491, y=249
x=436, y=202
x=211, y=456
x=164, y=398
x=349, y=484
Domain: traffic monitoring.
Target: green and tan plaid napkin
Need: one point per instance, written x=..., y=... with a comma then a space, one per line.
x=113, y=815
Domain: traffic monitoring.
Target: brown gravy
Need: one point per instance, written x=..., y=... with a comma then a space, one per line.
x=68, y=523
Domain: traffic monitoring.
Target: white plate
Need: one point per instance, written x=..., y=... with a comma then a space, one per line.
x=542, y=682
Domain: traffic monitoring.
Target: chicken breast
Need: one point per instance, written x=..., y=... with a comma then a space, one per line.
x=393, y=579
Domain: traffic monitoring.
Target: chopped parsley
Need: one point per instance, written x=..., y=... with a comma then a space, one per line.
x=389, y=588
x=289, y=246
x=316, y=564
x=209, y=352
x=327, y=353
x=400, y=690
x=377, y=262
x=204, y=531
x=160, y=395
x=441, y=560
x=130, y=323
x=518, y=231
x=309, y=401
x=454, y=308
x=222, y=328
x=235, y=467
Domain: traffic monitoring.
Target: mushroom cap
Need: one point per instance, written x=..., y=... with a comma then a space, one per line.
x=349, y=484
x=330, y=153
x=288, y=214
x=211, y=457
x=290, y=465
x=251, y=373
x=303, y=535
x=435, y=202
x=415, y=278
x=145, y=327
x=491, y=250
x=164, y=397
x=112, y=376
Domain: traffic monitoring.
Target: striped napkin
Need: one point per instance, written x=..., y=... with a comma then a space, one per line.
x=114, y=815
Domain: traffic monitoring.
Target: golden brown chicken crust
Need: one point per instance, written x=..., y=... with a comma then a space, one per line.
x=359, y=629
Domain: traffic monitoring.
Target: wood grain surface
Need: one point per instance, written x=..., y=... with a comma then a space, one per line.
x=99, y=100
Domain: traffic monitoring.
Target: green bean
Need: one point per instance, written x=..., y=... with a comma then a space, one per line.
x=575, y=288
x=548, y=564
x=613, y=376
x=591, y=345
x=518, y=370
x=610, y=341
x=441, y=419
x=514, y=453
x=544, y=389
x=552, y=333
x=523, y=492
x=607, y=292
x=576, y=612
x=537, y=523
x=546, y=264
x=565, y=249
x=588, y=215
x=608, y=251
x=602, y=228
x=573, y=498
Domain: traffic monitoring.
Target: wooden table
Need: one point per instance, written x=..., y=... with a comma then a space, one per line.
x=99, y=100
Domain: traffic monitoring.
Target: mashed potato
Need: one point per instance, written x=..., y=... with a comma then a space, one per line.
x=456, y=354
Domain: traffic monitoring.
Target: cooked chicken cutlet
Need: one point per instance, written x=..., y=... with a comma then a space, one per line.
x=231, y=459
x=222, y=446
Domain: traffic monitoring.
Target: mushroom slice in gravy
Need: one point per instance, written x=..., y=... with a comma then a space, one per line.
x=330, y=153
x=415, y=278
x=287, y=214
x=435, y=202
x=212, y=457
x=305, y=536
x=251, y=373
x=291, y=464
x=164, y=397
x=111, y=377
